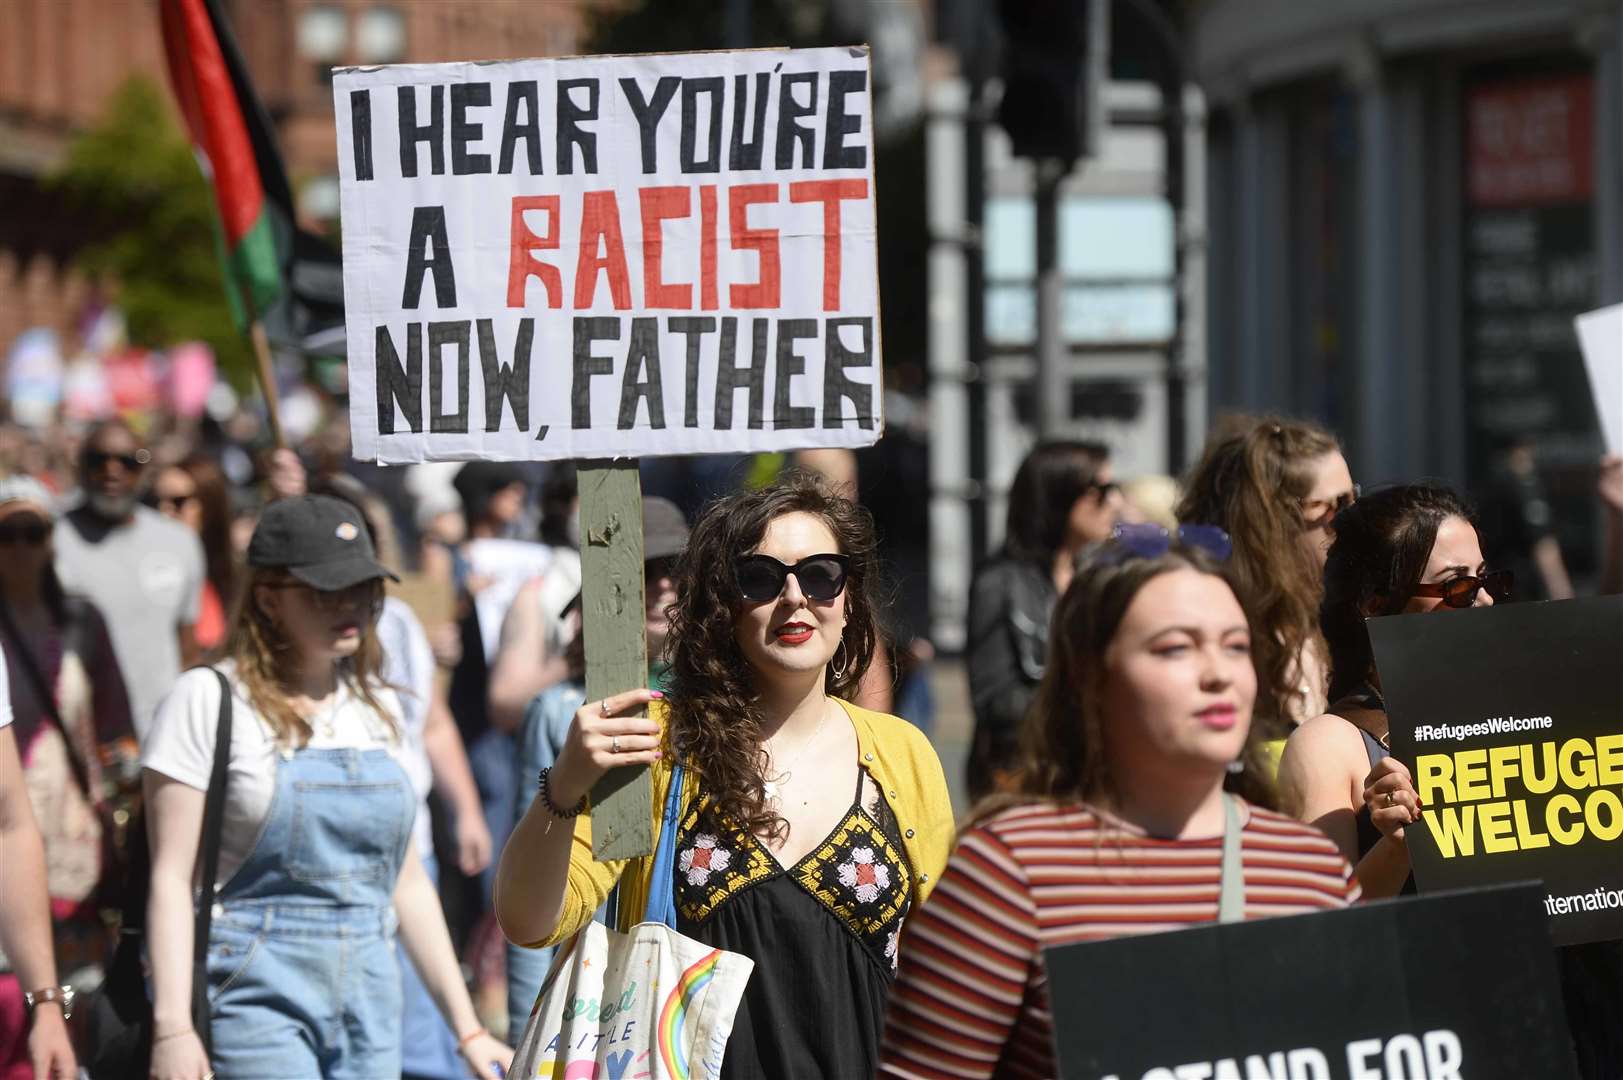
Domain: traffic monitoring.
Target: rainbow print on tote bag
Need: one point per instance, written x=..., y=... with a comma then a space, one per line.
x=649, y=1004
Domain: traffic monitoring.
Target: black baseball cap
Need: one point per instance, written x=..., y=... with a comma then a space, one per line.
x=320, y=540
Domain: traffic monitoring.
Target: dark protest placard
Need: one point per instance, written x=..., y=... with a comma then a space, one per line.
x=1443, y=987
x=1511, y=720
x=617, y=256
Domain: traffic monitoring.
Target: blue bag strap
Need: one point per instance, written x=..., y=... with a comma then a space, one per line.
x=662, y=879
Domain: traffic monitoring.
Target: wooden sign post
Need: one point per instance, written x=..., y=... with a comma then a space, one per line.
x=605, y=258
x=612, y=618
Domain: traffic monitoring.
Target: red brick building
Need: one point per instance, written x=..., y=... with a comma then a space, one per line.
x=60, y=60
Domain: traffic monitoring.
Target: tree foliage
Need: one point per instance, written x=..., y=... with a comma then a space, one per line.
x=134, y=170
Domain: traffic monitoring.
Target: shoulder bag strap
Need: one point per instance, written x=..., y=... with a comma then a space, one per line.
x=662, y=878
x=213, y=826
x=47, y=699
x=1231, y=899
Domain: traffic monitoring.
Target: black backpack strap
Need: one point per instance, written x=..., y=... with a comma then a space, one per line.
x=213, y=826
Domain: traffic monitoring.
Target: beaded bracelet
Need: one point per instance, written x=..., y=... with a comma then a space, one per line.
x=552, y=807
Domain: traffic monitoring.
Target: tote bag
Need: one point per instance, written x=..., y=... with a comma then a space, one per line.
x=647, y=1003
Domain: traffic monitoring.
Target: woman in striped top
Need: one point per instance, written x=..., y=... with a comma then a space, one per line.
x=1119, y=824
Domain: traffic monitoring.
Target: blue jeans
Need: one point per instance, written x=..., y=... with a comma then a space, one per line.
x=490, y=758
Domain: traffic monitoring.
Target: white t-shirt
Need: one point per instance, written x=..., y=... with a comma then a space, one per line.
x=505, y=565
x=5, y=693
x=180, y=745
x=408, y=665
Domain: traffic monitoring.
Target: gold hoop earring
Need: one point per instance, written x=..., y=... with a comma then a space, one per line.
x=839, y=669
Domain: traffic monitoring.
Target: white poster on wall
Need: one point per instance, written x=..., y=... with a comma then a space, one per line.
x=610, y=256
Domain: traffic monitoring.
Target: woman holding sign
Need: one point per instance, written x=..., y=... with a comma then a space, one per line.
x=810, y=829
x=316, y=868
x=1407, y=549
x=1145, y=706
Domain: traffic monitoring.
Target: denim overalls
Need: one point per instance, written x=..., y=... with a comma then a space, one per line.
x=301, y=965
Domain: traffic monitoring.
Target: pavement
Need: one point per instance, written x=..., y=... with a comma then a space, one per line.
x=954, y=725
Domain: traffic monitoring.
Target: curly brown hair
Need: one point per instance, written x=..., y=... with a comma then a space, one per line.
x=1063, y=757
x=1250, y=481
x=264, y=659
x=715, y=714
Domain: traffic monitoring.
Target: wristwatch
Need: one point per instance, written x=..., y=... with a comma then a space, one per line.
x=62, y=995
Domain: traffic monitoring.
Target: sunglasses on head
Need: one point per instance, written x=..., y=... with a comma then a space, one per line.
x=1148, y=540
x=761, y=577
x=28, y=530
x=96, y=460
x=1461, y=592
x=1332, y=507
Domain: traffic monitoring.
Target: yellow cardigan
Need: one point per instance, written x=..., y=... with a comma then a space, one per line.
x=895, y=753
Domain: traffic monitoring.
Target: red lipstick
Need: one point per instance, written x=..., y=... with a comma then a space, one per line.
x=794, y=633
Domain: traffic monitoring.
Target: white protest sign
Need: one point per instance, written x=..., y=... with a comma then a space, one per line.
x=1601, y=335
x=609, y=257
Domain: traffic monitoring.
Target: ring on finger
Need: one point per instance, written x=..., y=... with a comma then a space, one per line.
x=614, y=745
x=605, y=706
x=1391, y=798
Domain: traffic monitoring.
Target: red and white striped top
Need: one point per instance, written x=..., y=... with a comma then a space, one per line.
x=971, y=996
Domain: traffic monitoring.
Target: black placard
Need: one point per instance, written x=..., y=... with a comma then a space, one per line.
x=1474, y=698
x=1449, y=986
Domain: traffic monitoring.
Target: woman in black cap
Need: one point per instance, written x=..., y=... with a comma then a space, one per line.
x=316, y=868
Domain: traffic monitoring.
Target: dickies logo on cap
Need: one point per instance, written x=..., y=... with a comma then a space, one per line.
x=346, y=531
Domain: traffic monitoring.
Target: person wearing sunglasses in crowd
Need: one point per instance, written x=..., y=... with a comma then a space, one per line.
x=142, y=570
x=810, y=829
x=1063, y=499
x=317, y=869
x=1146, y=702
x=197, y=494
x=1406, y=549
x=1276, y=485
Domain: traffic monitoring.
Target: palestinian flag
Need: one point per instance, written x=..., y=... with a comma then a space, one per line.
x=275, y=272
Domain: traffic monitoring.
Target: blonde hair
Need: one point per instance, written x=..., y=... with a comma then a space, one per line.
x=264, y=658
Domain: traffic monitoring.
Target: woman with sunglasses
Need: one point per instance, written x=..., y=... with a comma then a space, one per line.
x=1276, y=485
x=811, y=829
x=316, y=866
x=1063, y=498
x=73, y=739
x=1146, y=702
x=1407, y=549
x=197, y=494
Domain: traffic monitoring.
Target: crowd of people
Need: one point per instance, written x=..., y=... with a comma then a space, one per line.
x=404, y=831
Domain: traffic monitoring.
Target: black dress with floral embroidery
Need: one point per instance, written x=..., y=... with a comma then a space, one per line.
x=823, y=934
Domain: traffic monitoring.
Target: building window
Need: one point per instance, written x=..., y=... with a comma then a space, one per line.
x=318, y=199
x=380, y=36
x=1116, y=258
x=322, y=32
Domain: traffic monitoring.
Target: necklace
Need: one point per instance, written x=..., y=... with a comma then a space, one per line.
x=772, y=787
x=324, y=720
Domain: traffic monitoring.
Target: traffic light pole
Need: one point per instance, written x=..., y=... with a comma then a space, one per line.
x=1053, y=376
